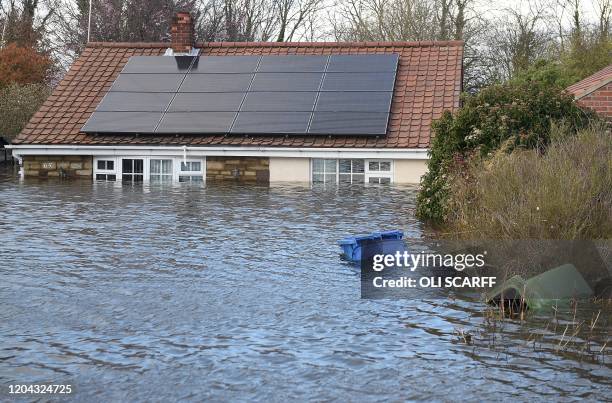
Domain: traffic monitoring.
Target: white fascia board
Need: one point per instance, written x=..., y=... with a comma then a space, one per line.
x=280, y=152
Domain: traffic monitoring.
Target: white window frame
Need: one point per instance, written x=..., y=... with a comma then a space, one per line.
x=113, y=171
x=202, y=172
x=378, y=174
x=172, y=174
x=145, y=167
x=324, y=173
x=367, y=173
x=176, y=166
x=350, y=173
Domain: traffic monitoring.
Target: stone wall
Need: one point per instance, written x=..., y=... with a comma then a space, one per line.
x=238, y=169
x=58, y=166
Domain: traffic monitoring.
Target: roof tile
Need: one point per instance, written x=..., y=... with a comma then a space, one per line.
x=591, y=83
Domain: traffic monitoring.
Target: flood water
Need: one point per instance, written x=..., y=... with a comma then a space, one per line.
x=136, y=293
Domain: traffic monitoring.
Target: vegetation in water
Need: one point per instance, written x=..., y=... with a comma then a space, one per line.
x=578, y=333
x=515, y=115
x=563, y=193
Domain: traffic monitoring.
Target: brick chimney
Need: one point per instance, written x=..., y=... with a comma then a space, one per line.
x=182, y=32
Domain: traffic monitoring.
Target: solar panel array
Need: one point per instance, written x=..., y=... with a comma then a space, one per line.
x=326, y=95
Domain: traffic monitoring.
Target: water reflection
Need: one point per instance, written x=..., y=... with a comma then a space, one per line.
x=211, y=291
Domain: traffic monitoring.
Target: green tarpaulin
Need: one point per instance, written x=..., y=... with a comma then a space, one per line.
x=544, y=290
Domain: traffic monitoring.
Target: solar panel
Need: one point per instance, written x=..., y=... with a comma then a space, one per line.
x=207, y=102
x=196, y=122
x=122, y=122
x=135, y=102
x=147, y=82
x=216, y=83
x=349, y=123
x=292, y=64
x=271, y=122
x=362, y=63
x=287, y=82
x=225, y=64
x=358, y=82
x=279, y=102
x=354, y=101
x=156, y=64
x=292, y=94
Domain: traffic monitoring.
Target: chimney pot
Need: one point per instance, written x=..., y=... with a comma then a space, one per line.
x=182, y=32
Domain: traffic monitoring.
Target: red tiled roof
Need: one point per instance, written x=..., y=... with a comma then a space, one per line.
x=591, y=83
x=428, y=82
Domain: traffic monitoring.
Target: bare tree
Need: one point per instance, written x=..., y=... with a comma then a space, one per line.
x=604, y=14
x=391, y=20
x=25, y=23
x=115, y=20
x=515, y=41
x=293, y=15
x=258, y=20
x=243, y=20
x=414, y=20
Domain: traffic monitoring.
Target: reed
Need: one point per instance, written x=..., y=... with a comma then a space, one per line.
x=564, y=192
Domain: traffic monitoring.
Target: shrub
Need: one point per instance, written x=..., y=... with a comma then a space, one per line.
x=549, y=72
x=515, y=115
x=22, y=66
x=565, y=193
x=17, y=105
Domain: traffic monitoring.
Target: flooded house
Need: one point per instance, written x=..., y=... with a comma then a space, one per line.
x=182, y=111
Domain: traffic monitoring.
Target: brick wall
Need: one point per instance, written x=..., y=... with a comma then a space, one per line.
x=182, y=33
x=238, y=169
x=600, y=101
x=58, y=166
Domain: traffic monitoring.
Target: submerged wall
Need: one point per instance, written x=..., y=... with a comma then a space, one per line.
x=409, y=171
x=221, y=168
x=58, y=166
x=238, y=169
x=289, y=169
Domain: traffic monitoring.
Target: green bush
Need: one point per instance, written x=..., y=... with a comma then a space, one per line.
x=565, y=193
x=512, y=115
x=553, y=73
x=17, y=105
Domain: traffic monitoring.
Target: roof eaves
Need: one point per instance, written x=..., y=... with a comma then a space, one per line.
x=579, y=94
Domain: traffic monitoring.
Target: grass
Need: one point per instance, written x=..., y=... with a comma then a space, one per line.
x=563, y=193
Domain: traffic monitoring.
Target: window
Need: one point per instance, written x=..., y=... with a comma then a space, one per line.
x=324, y=171
x=132, y=170
x=153, y=169
x=104, y=170
x=160, y=170
x=106, y=177
x=351, y=171
x=191, y=171
x=191, y=178
x=379, y=172
x=379, y=180
x=379, y=166
x=106, y=165
x=191, y=166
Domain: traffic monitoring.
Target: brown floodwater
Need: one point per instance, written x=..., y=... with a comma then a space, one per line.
x=145, y=293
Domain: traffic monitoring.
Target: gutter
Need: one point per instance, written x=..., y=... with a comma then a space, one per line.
x=279, y=152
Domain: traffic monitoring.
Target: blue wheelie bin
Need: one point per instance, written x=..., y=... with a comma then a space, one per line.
x=351, y=246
